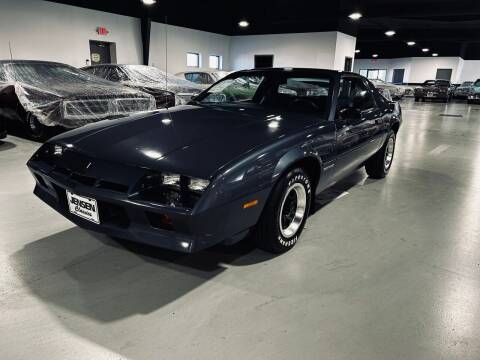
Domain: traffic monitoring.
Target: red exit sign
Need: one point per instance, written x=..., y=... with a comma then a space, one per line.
x=102, y=30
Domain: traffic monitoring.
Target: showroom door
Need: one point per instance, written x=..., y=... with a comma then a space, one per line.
x=101, y=52
x=398, y=75
x=444, y=74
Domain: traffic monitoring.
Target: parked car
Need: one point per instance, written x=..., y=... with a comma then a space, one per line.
x=150, y=80
x=244, y=158
x=474, y=96
x=408, y=91
x=203, y=78
x=44, y=94
x=462, y=91
x=434, y=90
x=396, y=92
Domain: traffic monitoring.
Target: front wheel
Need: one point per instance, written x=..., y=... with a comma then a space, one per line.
x=379, y=164
x=36, y=129
x=285, y=214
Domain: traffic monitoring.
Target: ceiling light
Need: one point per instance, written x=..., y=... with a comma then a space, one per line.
x=425, y=49
x=390, y=33
x=355, y=16
x=149, y=2
x=357, y=51
x=434, y=54
x=411, y=43
x=375, y=55
x=243, y=23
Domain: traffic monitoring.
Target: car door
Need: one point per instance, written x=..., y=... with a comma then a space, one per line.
x=357, y=120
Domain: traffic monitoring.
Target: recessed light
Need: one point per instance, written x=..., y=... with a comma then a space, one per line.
x=355, y=16
x=390, y=33
x=434, y=54
x=149, y=2
x=375, y=55
x=243, y=23
x=411, y=43
x=357, y=51
x=425, y=49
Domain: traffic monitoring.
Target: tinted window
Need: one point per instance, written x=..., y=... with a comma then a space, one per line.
x=355, y=93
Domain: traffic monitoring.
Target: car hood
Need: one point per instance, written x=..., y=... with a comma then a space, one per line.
x=191, y=140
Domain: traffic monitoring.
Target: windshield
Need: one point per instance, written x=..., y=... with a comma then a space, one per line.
x=218, y=75
x=309, y=92
x=467, y=83
x=46, y=73
x=151, y=74
x=477, y=83
x=437, y=83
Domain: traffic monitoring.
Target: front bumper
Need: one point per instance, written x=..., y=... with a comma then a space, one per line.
x=474, y=97
x=122, y=216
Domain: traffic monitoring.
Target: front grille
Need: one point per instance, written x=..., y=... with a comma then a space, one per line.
x=126, y=106
x=75, y=109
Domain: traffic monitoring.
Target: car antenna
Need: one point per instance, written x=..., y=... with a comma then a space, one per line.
x=166, y=53
x=10, y=48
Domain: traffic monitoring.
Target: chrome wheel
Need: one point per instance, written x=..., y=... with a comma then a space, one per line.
x=293, y=210
x=389, y=150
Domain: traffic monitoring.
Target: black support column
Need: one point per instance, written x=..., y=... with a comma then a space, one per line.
x=146, y=25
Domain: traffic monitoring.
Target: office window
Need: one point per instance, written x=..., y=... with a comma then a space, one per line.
x=215, y=62
x=374, y=74
x=193, y=59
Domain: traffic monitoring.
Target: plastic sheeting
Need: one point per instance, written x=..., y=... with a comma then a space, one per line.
x=59, y=94
x=147, y=78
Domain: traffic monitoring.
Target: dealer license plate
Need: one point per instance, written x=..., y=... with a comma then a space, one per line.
x=84, y=207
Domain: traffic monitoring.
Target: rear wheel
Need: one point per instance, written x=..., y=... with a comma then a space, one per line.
x=379, y=164
x=285, y=214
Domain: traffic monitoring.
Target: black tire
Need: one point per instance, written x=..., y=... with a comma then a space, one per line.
x=272, y=230
x=379, y=164
x=36, y=130
x=417, y=99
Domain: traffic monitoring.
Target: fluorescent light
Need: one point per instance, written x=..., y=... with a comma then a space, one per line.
x=357, y=51
x=411, y=43
x=390, y=33
x=355, y=16
x=149, y=2
x=375, y=55
x=425, y=49
x=434, y=54
x=243, y=23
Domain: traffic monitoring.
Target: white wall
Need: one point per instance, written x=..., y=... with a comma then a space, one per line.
x=182, y=40
x=470, y=71
x=309, y=50
x=41, y=30
x=419, y=69
x=344, y=47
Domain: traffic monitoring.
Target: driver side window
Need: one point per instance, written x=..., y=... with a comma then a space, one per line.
x=354, y=94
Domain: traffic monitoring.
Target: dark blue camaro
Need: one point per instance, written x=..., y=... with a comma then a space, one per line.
x=245, y=157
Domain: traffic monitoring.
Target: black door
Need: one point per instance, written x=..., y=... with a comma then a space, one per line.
x=100, y=52
x=358, y=125
x=348, y=64
x=263, y=61
x=398, y=75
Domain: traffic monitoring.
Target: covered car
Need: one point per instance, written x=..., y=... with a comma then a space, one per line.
x=45, y=94
x=167, y=90
x=396, y=92
x=434, y=90
x=203, y=78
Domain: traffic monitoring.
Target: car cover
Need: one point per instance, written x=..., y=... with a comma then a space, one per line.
x=149, y=78
x=59, y=94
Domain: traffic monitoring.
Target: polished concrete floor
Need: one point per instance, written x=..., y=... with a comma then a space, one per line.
x=385, y=269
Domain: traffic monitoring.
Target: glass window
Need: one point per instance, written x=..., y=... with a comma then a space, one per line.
x=354, y=93
x=374, y=74
x=215, y=62
x=239, y=89
x=364, y=72
x=193, y=59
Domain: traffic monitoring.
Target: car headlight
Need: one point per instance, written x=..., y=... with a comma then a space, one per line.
x=172, y=190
